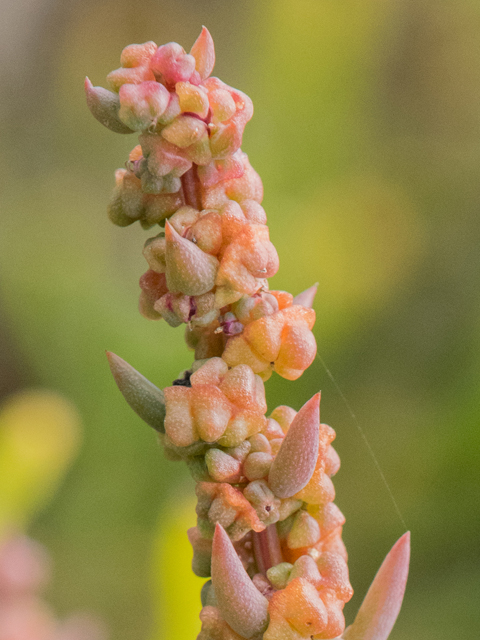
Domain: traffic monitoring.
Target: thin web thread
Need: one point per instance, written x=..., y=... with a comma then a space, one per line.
x=365, y=440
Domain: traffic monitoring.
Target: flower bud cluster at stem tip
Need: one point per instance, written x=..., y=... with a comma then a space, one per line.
x=268, y=533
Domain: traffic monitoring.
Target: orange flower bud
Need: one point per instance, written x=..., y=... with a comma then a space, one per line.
x=250, y=308
x=222, y=467
x=244, y=388
x=221, y=405
x=192, y=99
x=184, y=131
x=142, y=104
x=226, y=136
x=332, y=462
x=282, y=340
x=135, y=61
x=214, y=626
x=171, y=64
x=243, y=425
x=222, y=105
x=296, y=612
x=254, y=212
x=257, y=465
x=154, y=253
x=221, y=170
x=250, y=257
x=284, y=416
x=157, y=207
x=179, y=421
x=211, y=410
x=126, y=203
x=219, y=501
x=207, y=232
x=241, y=187
x=153, y=287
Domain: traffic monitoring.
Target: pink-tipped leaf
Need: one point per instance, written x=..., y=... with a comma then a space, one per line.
x=295, y=461
x=104, y=105
x=203, y=51
x=242, y=606
x=382, y=604
x=144, y=397
x=306, y=298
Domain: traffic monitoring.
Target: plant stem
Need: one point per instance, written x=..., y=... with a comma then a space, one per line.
x=266, y=548
x=191, y=188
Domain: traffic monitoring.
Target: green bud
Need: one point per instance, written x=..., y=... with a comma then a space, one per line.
x=279, y=574
x=305, y=531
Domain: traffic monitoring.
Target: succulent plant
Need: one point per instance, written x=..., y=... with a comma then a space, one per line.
x=268, y=533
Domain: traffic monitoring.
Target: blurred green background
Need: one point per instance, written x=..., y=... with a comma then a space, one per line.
x=367, y=137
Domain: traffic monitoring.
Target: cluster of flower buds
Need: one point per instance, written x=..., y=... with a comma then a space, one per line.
x=188, y=122
x=24, y=571
x=265, y=499
x=268, y=533
x=209, y=265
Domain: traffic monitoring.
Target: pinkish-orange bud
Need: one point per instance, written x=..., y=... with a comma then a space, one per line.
x=184, y=131
x=142, y=104
x=135, y=67
x=192, y=99
x=171, y=64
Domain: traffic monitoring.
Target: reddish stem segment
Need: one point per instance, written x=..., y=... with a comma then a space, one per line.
x=266, y=548
x=191, y=188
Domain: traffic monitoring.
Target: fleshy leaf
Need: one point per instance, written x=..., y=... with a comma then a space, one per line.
x=104, y=106
x=295, y=462
x=203, y=51
x=143, y=396
x=242, y=606
x=379, y=610
x=189, y=269
x=306, y=298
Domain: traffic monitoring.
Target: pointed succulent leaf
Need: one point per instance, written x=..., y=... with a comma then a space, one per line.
x=306, y=298
x=383, y=601
x=189, y=270
x=203, y=51
x=145, y=398
x=104, y=106
x=242, y=606
x=295, y=462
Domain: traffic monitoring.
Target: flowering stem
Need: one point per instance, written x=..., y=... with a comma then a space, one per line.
x=208, y=269
x=266, y=548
